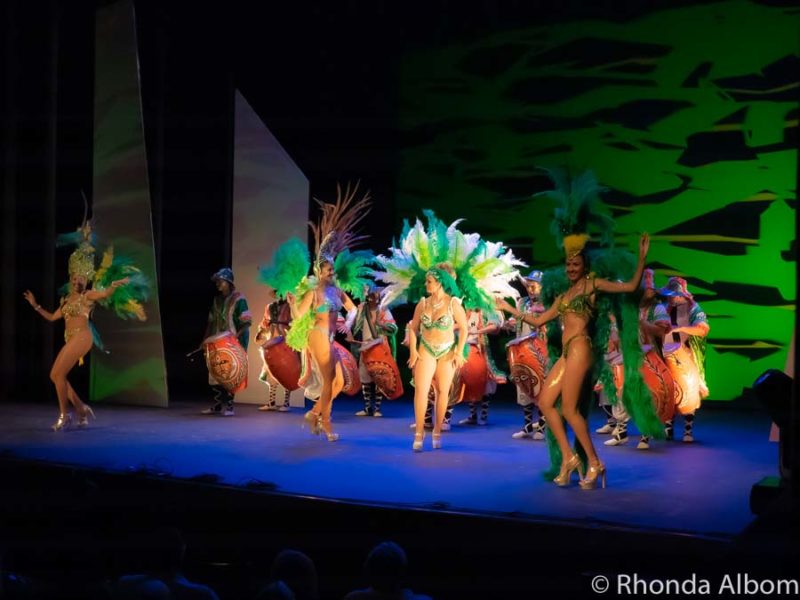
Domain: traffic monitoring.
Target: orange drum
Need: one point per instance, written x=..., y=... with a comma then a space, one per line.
x=226, y=361
x=469, y=384
x=283, y=362
x=377, y=356
x=659, y=381
x=686, y=376
x=351, y=384
x=527, y=359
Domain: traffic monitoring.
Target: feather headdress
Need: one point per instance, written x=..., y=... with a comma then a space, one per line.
x=127, y=301
x=334, y=234
x=578, y=210
x=335, y=230
x=483, y=269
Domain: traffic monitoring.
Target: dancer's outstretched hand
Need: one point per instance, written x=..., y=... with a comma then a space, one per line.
x=503, y=304
x=28, y=295
x=644, y=245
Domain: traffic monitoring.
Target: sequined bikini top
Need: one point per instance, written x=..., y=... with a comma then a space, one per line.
x=76, y=308
x=333, y=301
x=444, y=322
x=580, y=304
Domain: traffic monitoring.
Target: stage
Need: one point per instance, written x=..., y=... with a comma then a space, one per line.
x=699, y=489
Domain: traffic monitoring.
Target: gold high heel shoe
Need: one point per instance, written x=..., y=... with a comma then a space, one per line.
x=84, y=420
x=418, y=439
x=64, y=421
x=313, y=420
x=564, y=476
x=595, y=472
x=436, y=441
x=325, y=427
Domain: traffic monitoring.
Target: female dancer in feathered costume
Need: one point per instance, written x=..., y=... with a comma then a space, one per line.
x=118, y=285
x=317, y=301
x=437, y=268
x=582, y=301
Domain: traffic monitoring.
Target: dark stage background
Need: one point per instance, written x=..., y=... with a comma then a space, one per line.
x=325, y=78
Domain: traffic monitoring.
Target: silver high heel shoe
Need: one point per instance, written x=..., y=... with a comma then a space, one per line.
x=64, y=421
x=313, y=421
x=573, y=463
x=84, y=420
x=324, y=427
x=419, y=438
x=596, y=472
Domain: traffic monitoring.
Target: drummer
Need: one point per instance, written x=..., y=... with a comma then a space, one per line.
x=617, y=416
x=372, y=323
x=229, y=312
x=277, y=317
x=684, y=352
x=653, y=324
x=479, y=326
x=532, y=304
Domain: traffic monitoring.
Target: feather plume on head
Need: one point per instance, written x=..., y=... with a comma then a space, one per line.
x=578, y=209
x=335, y=230
x=333, y=236
x=481, y=269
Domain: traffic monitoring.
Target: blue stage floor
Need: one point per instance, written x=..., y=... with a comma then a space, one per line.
x=699, y=488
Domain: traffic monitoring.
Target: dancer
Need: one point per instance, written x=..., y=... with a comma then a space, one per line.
x=578, y=308
x=229, y=321
x=684, y=352
x=430, y=407
x=528, y=360
x=433, y=267
x=435, y=318
x=76, y=306
x=277, y=317
x=373, y=324
x=317, y=301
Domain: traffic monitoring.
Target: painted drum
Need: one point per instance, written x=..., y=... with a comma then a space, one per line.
x=382, y=367
x=659, y=381
x=226, y=361
x=469, y=384
x=282, y=362
x=527, y=361
x=351, y=383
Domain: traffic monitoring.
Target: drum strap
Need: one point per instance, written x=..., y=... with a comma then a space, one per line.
x=673, y=318
x=370, y=324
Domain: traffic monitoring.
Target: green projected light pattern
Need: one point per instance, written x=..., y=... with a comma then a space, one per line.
x=134, y=371
x=689, y=116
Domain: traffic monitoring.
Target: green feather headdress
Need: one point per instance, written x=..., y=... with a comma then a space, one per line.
x=483, y=269
x=289, y=265
x=579, y=209
x=353, y=271
x=128, y=300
